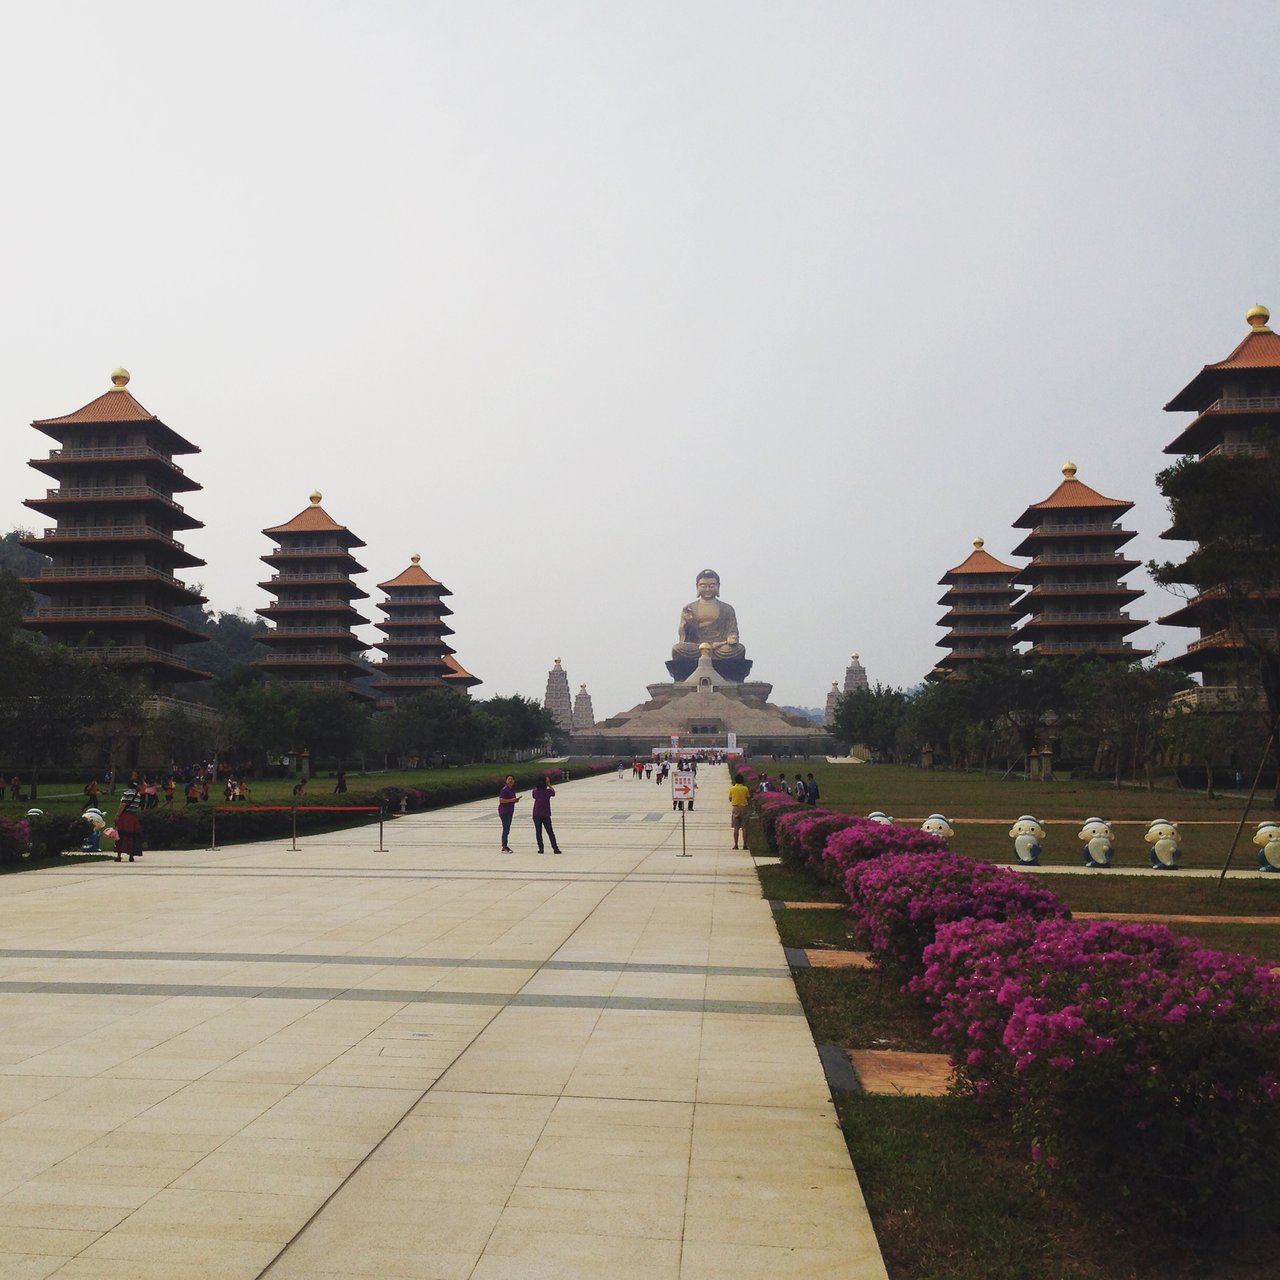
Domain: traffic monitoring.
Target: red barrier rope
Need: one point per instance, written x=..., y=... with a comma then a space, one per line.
x=301, y=808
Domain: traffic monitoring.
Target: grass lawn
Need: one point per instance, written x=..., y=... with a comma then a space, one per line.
x=65, y=797
x=949, y=1188
x=982, y=807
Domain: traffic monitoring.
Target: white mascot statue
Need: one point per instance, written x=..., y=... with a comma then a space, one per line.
x=1267, y=838
x=936, y=824
x=1028, y=840
x=1099, y=842
x=1163, y=838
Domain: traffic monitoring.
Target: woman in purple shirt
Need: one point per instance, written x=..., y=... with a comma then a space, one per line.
x=506, y=809
x=542, y=793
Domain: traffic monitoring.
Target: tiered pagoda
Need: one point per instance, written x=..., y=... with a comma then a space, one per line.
x=979, y=618
x=584, y=715
x=110, y=582
x=417, y=657
x=1074, y=605
x=557, y=698
x=833, y=697
x=1237, y=408
x=855, y=675
x=457, y=676
x=311, y=641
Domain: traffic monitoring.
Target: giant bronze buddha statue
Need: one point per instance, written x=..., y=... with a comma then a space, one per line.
x=709, y=620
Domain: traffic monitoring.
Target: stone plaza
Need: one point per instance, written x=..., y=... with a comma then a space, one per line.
x=437, y=1062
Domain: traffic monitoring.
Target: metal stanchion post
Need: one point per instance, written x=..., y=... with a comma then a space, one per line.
x=213, y=830
x=684, y=848
x=381, y=815
x=294, y=847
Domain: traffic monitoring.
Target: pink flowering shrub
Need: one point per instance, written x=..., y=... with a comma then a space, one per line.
x=14, y=839
x=771, y=805
x=802, y=837
x=862, y=839
x=898, y=900
x=1122, y=1051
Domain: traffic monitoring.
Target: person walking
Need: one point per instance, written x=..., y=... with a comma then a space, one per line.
x=340, y=787
x=811, y=789
x=90, y=794
x=542, y=793
x=739, y=810
x=506, y=810
x=128, y=823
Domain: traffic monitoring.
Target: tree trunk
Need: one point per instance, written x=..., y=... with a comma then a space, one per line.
x=1208, y=781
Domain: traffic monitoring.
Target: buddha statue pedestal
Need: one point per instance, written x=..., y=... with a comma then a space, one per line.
x=732, y=669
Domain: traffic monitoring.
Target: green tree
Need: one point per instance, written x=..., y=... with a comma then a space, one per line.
x=52, y=697
x=871, y=718
x=1125, y=708
x=519, y=723
x=1225, y=505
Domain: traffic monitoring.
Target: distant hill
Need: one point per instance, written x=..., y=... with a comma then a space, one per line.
x=816, y=714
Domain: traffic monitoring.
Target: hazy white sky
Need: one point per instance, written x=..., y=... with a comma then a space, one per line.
x=576, y=299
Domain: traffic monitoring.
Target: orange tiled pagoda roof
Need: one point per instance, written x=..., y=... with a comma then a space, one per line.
x=1070, y=493
x=980, y=561
x=314, y=519
x=116, y=405
x=415, y=576
x=457, y=669
x=1260, y=349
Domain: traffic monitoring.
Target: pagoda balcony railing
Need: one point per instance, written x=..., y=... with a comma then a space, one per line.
x=136, y=653
x=1076, y=557
x=65, y=612
x=982, y=631
x=1081, y=646
x=109, y=531
x=380, y=679
x=965, y=610
x=1219, y=698
x=322, y=604
x=1230, y=638
x=311, y=631
x=126, y=451
x=94, y=492
x=1066, y=615
x=332, y=550
x=1092, y=527
x=1053, y=588
x=113, y=571
x=286, y=578
x=1240, y=404
x=303, y=655
x=1237, y=449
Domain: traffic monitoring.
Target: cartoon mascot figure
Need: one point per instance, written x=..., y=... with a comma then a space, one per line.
x=936, y=824
x=93, y=841
x=1267, y=838
x=1163, y=838
x=1028, y=840
x=1098, y=841
x=882, y=818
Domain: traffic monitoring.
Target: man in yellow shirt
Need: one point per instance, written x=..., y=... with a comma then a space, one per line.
x=739, y=800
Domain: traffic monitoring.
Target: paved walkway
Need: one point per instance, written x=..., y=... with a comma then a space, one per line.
x=440, y=1062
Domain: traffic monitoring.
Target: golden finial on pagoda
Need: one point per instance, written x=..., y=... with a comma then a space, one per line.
x=1257, y=317
x=415, y=558
x=119, y=379
x=583, y=685
x=1069, y=470
x=979, y=543
x=316, y=495
x=835, y=684
x=853, y=657
x=704, y=649
x=557, y=662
